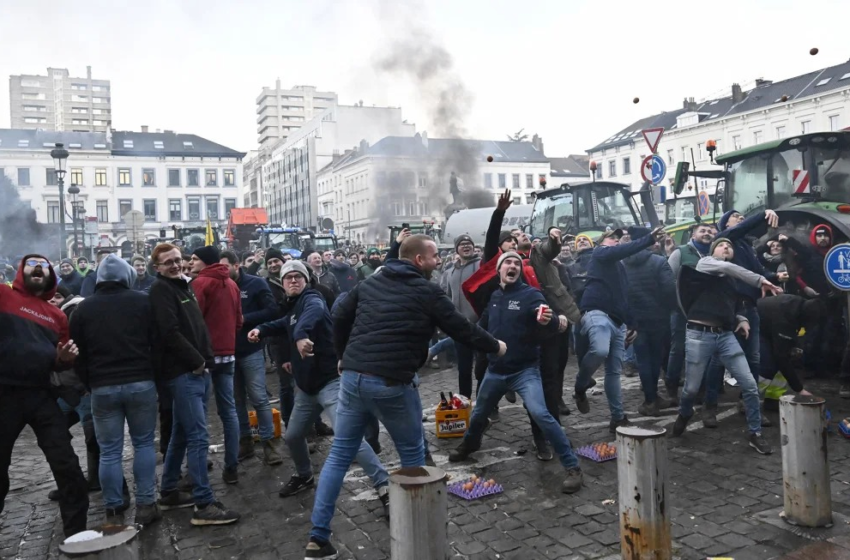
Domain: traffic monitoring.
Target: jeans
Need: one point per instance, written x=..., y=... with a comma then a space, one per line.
x=465, y=355
x=83, y=410
x=700, y=348
x=649, y=349
x=550, y=356
x=307, y=409
x=676, y=360
x=529, y=386
x=222, y=380
x=189, y=437
x=602, y=342
x=441, y=346
x=630, y=353
x=361, y=397
x=250, y=378
x=112, y=405
x=752, y=351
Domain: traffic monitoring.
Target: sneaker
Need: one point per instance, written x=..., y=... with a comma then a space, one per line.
x=272, y=398
x=844, y=391
x=214, y=514
x=323, y=430
x=462, y=452
x=624, y=421
x=709, y=416
x=270, y=453
x=563, y=409
x=572, y=483
x=320, y=551
x=680, y=425
x=384, y=496
x=760, y=444
x=510, y=396
x=246, y=448
x=648, y=409
x=544, y=451
x=147, y=514
x=175, y=500
x=494, y=415
x=296, y=484
x=230, y=475
x=580, y=397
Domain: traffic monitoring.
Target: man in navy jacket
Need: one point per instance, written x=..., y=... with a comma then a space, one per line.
x=604, y=307
x=513, y=315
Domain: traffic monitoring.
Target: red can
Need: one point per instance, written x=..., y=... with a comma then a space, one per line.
x=541, y=310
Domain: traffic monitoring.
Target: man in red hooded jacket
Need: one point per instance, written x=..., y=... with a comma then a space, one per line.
x=221, y=303
x=33, y=343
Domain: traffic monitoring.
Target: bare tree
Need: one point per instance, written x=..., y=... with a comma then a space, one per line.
x=518, y=136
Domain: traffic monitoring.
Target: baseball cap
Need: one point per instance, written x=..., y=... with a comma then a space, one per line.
x=615, y=233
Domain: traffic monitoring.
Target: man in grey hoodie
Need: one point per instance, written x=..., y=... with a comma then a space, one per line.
x=467, y=265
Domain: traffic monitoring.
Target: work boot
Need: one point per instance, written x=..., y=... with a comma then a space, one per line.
x=573, y=481
x=662, y=402
x=673, y=393
x=563, y=409
x=114, y=516
x=709, y=416
x=544, y=450
x=463, y=451
x=648, y=409
x=624, y=421
x=230, y=475
x=147, y=514
x=271, y=454
x=680, y=425
x=580, y=397
x=246, y=448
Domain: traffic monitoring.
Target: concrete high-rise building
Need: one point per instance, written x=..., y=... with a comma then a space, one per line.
x=59, y=102
x=280, y=112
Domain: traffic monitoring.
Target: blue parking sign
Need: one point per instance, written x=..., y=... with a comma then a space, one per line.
x=836, y=266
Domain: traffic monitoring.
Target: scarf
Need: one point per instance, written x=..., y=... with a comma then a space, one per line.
x=702, y=248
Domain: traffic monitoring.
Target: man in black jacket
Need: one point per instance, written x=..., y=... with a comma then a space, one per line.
x=381, y=333
x=90, y=280
x=114, y=333
x=71, y=279
x=183, y=355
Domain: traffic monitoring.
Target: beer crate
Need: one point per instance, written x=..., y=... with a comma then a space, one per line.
x=452, y=423
x=255, y=427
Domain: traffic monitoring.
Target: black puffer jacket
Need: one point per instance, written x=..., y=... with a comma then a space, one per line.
x=384, y=325
x=651, y=289
x=578, y=272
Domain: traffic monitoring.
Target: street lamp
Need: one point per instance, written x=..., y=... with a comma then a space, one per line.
x=59, y=155
x=74, y=190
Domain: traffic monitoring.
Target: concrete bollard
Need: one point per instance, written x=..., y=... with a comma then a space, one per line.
x=419, y=514
x=644, y=506
x=805, y=469
x=117, y=543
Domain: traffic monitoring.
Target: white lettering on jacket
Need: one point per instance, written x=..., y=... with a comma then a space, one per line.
x=37, y=315
x=513, y=305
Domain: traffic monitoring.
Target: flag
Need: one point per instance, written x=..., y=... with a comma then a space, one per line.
x=210, y=238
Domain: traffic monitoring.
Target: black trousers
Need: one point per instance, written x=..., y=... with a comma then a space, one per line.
x=550, y=361
x=166, y=415
x=465, y=356
x=21, y=406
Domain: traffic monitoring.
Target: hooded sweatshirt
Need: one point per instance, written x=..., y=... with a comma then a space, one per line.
x=221, y=304
x=651, y=290
x=346, y=276
x=113, y=329
x=813, y=273
x=30, y=330
x=455, y=278
x=745, y=255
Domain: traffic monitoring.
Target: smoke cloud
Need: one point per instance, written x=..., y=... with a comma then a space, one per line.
x=20, y=231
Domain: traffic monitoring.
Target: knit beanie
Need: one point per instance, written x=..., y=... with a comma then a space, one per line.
x=721, y=225
x=461, y=239
x=294, y=266
x=273, y=253
x=209, y=255
x=508, y=255
x=505, y=235
x=585, y=236
x=717, y=242
x=66, y=261
x=64, y=291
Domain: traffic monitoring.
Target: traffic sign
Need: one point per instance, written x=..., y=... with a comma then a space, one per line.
x=704, y=203
x=653, y=169
x=652, y=137
x=836, y=266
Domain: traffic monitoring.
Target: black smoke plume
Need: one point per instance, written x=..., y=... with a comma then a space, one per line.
x=20, y=231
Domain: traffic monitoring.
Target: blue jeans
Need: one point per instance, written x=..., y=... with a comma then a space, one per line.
x=361, y=397
x=530, y=387
x=441, y=346
x=112, y=405
x=602, y=342
x=222, y=379
x=752, y=351
x=676, y=360
x=630, y=353
x=83, y=410
x=250, y=378
x=700, y=348
x=189, y=437
x=649, y=346
x=307, y=409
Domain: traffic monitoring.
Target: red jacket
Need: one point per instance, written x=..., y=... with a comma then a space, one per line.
x=480, y=286
x=30, y=330
x=221, y=303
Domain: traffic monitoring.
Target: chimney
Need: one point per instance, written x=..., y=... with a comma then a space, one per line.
x=425, y=139
x=364, y=145
x=88, y=72
x=762, y=82
x=537, y=142
x=737, y=93
x=689, y=104
x=145, y=128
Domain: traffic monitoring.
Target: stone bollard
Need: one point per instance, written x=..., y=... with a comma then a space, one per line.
x=805, y=470
x=117, y=543
x=419, y=514
x=644, y=505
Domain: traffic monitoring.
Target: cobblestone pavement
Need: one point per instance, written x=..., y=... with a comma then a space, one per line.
x=725, y=496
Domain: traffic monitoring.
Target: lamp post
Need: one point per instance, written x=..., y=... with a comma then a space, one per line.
x=74, y=190
x=59, y=155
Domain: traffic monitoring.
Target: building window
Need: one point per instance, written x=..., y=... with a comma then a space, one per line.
x=503, y=181
x=124, y=207
x=194, y=204
x=230, y=204
x=612, y=168
x=529, y=181
x=76, y=176
x=211, y=177
x=736, y=142
x=175, y=212
x=488, y=180
x=834, y=123
x=50, y=179
x=599, y=172
x=212, y=208
x=423, y=181
x=52, y=212
x=150, y=209
x=627, y=166
x=192, y=177
x=173, y=177
x=148, y=177
x=229, y=178
x=100, y=177
x=515, y=181
x=780, y=132
x=124, y=178
x=23, y=176
x=757, y=137
x=806, y=126
x=103, y=211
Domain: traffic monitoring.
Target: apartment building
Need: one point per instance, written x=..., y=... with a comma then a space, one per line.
x=280, y=112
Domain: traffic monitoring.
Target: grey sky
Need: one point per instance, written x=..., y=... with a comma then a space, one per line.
x=566, y=69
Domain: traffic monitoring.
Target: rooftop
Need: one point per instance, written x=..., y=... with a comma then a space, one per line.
x=572, y=165
x=418, y=146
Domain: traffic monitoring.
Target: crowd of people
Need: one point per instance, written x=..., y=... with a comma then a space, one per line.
x=148, y=340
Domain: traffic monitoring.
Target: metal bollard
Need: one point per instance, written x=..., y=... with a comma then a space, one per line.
x=644, y=506
x=805, y=469
x=117, y=543
x=419, y=514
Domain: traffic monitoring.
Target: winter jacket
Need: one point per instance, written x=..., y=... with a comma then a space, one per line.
x=221, y=305
x=114, y=329
x=709, y=293
x=144, y=283
x=307, y=317
x=651, y=290
x=578, y=272
x=346, y=277
x=455, y=278
x=811, y=259
x=88, y=285
x=781, y=317
x=553, y=288
x=384, y=325
x=258, y=307
x=745, y=255
x=688, y=254
x=327, y=279
x=368, y=268
x=73, y=282
x=30, y=330
x=606, y=288
x=182, y=342
x=511, y=316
